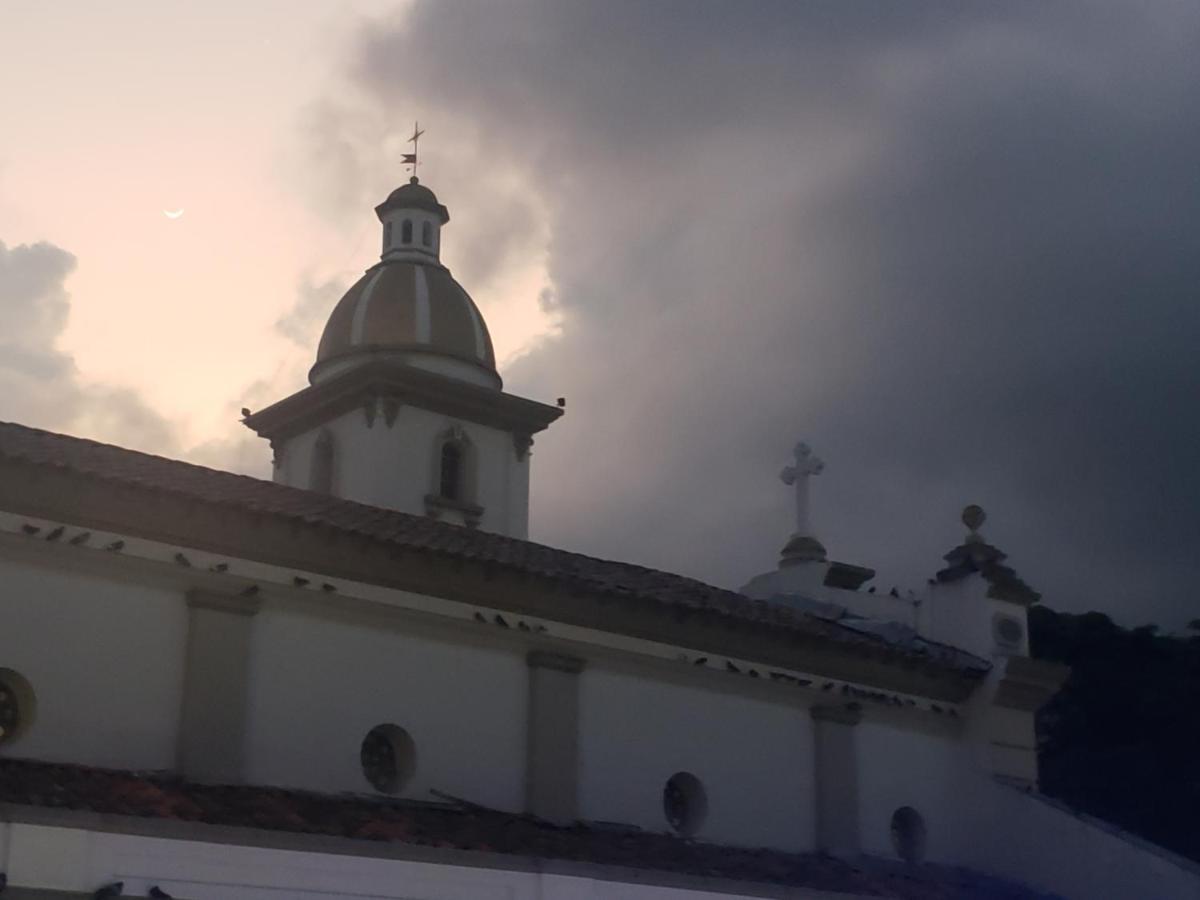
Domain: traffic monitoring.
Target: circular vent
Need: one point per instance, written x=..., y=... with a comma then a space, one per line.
x=17, y=705
x=685, y=803
x=389, y=758
x=908, y=834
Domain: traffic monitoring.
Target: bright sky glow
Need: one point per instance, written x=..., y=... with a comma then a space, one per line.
x=119, y=116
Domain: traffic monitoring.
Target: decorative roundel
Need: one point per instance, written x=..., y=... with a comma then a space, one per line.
x=388, y=757
x=685, y=803
x=1008, y=630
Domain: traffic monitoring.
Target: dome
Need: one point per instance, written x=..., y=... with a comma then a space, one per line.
x=413, y=195
x=411, y=312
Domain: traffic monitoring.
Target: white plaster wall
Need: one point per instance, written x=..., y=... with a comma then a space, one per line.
x=930, y=772
x=396, y=466
x=961, y=613
x=754, y=757
x=105, y=659
x=318, y=686
x=1026, y=837
x=75, y=860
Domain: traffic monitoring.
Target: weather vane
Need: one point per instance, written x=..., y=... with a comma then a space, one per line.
x=410, y=159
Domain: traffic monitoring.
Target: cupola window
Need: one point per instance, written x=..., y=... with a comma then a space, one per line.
x=451, y=475
x=321, y=475
x=406, y=232
x=427, y=234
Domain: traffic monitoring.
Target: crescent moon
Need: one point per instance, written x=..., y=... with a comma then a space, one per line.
x=172, y=213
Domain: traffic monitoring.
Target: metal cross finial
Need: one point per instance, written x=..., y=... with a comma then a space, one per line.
x=806, y=464
x=410, y=159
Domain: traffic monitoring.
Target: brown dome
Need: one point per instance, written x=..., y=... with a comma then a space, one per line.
x=403, y=306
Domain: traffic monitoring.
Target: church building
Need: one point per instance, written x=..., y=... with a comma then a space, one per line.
x=362, y=679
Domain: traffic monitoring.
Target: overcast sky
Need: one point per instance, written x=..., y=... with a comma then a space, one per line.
x=954, y=247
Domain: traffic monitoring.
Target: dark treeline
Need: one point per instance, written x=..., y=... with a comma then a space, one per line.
x=1122, y=739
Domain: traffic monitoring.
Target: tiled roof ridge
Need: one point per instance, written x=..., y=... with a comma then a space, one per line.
x=979, y=556
x=378, y=819
x=418, y=532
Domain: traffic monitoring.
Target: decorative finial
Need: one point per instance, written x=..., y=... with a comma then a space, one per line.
x=974, y=517
x=410, y=159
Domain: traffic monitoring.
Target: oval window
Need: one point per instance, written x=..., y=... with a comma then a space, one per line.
x=685, y=803
x=388, y=757
x=908, y=834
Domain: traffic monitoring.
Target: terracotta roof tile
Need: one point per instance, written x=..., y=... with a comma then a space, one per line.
x=575, y=570
x=471, y=828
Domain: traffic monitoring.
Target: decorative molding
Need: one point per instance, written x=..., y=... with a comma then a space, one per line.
x=850, y=714
x=435, y=506
x=522, y=442
x=560, y=662
x=238, y=605
x=319, y=403
x=1029, y=683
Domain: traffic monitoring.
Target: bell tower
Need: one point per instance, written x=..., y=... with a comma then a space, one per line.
x=405, y=408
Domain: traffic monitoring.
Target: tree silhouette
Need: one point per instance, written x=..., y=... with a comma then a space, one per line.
x=1121, y=741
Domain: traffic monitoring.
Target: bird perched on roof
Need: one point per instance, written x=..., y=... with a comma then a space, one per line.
x=80, y=539
x=109, y=890
x=116, y=546
x=30, y=529
x=894, y=593
x=298, y=581
x=159, y=894
x=732, y=668
x=499, y=620
x=56, y=533
x=328, y=588
x=700, y=661
x=183, y=560
x=221, y=567
x=479, y=617
x=250, y=591
x=245, y=411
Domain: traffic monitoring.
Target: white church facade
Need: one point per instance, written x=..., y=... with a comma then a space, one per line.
x=362, y=679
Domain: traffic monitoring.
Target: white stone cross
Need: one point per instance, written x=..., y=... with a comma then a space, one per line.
x=806, y=464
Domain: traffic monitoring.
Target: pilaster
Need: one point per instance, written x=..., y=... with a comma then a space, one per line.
x=835, y=772
x=552, y=767
x=212, y=729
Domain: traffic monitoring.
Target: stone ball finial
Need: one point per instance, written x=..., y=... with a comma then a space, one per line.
x=973, y=517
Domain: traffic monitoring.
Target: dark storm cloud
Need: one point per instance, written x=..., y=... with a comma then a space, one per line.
x=39, y=384
x=954, y=247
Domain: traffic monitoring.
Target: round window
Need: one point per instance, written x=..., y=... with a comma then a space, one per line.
x=17, y=705
x=685, y=803
x=908, y=834
x=389, y=758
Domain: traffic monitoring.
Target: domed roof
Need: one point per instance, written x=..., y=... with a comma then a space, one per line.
x=414, y=195
x=407, y=307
